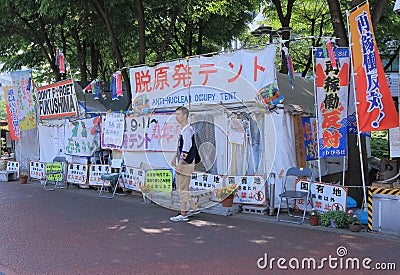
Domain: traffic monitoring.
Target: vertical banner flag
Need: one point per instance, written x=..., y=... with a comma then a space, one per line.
x=23, y=87
x=376, y=110
x=310, y=137
x=12, y=115
x=332, y=90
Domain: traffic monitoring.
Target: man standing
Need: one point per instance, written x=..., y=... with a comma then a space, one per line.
x=186, y=160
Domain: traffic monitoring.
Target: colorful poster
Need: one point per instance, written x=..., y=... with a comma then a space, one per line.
x=332, y=93
x=225, y=78
x=324, y=197
x=251, y=189
x=37, y=170
x=23, y=90
x=159, y=180
x=134, y=178
x=310, y=137
x=81, y=137
x=57, y=100
x=12, y=113
x=77, y=173
x=376, y=110
x=112, y=130
x=157, y=133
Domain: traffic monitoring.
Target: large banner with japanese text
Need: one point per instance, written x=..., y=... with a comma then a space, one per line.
x=57, y=100
x=23, y=90
x=81, y=137
x=12, y=112
x=332, y=92
x=157, y=133
x=376, y=110
x=234, y=77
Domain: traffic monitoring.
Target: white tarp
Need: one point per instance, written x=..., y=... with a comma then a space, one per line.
x=26, y=148
x=51, y=139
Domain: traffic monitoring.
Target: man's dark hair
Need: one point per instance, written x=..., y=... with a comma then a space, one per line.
x=184, y=110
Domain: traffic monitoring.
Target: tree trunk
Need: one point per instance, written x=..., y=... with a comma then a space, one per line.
x=378, y=10
x=142, y=31
x=114, y=43
x=94, y=60
x=80, y=52
x=285, y=22
x=338, y=23
x=167, y=36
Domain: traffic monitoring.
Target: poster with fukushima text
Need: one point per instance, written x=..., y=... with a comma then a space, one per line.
x=57, y=100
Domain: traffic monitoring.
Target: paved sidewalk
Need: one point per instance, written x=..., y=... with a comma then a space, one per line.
x=245, y=216
x=73, y=231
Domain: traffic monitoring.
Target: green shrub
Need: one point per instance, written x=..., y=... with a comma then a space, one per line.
x=340, y=218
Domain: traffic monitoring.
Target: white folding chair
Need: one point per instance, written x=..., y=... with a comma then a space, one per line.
x=56, y=174
x=290, y=194
x=113, y=178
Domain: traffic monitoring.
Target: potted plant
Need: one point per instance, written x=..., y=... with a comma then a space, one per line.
x=335, y=219
x=226, y=194
x=145, y=190
x=354, y=222
x=23, y=178
x=314, y=217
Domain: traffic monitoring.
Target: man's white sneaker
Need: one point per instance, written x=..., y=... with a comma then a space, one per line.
x=179, y=218
x=193, y=212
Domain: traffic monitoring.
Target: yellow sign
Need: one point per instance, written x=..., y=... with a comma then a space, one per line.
x=51, y=168
x=159, y=180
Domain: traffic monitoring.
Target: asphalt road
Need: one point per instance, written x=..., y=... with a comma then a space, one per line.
x=73, y=231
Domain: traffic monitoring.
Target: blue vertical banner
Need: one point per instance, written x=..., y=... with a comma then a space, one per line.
x=310, y=137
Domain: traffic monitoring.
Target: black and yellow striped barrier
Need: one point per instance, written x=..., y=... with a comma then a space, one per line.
x=381, y=191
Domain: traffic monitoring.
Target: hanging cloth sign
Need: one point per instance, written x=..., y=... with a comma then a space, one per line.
x=375, y=108
x=331, y=93
x=112, y=131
